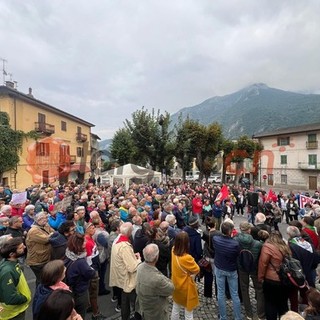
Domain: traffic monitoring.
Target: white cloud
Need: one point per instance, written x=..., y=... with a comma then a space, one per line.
x=104, y=59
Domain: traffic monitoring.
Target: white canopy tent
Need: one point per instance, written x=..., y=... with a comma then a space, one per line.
x=131, y=173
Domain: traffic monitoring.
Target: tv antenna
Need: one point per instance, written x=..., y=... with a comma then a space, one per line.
x=4, y=72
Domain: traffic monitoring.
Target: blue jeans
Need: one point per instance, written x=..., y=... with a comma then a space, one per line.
x=232, y=278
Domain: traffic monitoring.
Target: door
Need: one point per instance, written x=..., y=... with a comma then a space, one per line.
x=313, y=183
x=270, y=179
x=45, y=177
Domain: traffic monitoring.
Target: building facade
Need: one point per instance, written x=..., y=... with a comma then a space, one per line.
x=62, y=151
x=290, y=158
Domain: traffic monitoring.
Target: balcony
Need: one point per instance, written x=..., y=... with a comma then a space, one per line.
x=81, y=137
x=307, y=166
x=73, y=159
x=44, y=128
x=312, y=145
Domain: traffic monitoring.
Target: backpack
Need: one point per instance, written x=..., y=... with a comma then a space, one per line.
x=291, y=273
x=246, y=260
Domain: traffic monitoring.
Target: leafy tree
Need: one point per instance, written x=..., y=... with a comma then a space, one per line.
x=123, y=148
x=244, y=148
x=10, y=144
x=183, y=152
x=205, y=143
x=152, y=138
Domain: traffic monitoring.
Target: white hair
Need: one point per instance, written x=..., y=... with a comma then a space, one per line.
x=260, y=218
x=126, y=229
x=151, y=253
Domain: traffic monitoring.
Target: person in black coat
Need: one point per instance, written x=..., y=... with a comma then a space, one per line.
x=195, y=238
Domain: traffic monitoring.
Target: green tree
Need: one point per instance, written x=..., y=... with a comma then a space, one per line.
x=183, y=152
x=123, y=149
x=10, y=145
x=205, y=142
x=152, y=138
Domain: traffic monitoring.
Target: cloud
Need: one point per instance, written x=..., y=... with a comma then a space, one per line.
x=105, y=59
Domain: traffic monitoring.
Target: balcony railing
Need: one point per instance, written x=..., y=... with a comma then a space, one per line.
x=312, y=145
x=73, y=159
x=44, y=128
x=81, y=137
x=307, y=166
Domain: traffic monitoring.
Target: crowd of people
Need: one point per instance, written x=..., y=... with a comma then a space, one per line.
x=156, y=242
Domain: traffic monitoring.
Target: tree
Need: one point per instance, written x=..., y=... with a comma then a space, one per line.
x=10, y=145
x=201, y=142
x=183, y=152
x=123, y=148
x=152, y=138
x=244, y=148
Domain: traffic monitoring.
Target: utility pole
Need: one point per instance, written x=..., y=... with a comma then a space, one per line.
x=4, y=72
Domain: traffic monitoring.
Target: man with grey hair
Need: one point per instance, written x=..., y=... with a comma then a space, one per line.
x=153, y=288
x=123, y=269
x=303, y=251
x=28, y=217
x=260, y=224
x=6, y=211
x=172, y=230
x=38, y=245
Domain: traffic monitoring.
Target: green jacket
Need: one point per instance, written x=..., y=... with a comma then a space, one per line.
x=15, y=294
x=247, y=242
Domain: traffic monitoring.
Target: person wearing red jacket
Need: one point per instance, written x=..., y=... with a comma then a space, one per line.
x=197, y=206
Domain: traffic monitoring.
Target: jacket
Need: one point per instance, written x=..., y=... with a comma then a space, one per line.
x=15, y=294
x=39, y=248
x=78, y=272
x=247, y=242
x=59, y=245
x=153, y=289
x=226, y=252
x=41, y=295
x=183, y=269
x=269, y=262
x=123, y=265
x=195, y=242
x=217, y=211
x=196, y=206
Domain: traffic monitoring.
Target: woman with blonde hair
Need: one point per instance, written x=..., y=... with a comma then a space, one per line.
x=184, y=269
x=275, y=294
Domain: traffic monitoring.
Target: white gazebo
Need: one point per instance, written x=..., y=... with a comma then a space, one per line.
x=131, y=173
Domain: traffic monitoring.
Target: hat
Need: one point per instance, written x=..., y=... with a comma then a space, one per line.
x=245, y=226
x=193, y=221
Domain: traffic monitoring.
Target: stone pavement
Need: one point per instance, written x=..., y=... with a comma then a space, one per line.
x=208, y=308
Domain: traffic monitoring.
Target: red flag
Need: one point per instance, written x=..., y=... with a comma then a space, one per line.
x=271, y=196
x=224, y=192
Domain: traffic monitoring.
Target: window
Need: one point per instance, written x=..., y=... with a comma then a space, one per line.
x=63, y=126
x=312, y=160
x=312, y=137
x=42, y=149
x=284, y=179
x=41, y=118
x=283, y=159
x=80, y=152
x=78, y=129
x=283, y=141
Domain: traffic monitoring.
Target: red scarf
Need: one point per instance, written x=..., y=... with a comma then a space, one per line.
x=123, y=238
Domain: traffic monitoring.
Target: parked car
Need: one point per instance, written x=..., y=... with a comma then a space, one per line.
x=214, y=179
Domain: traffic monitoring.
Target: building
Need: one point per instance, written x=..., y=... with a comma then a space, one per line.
x=62, y=151
x=290, y=157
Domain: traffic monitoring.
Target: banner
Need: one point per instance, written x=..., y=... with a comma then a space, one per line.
x=304, y=200
x=19, y=198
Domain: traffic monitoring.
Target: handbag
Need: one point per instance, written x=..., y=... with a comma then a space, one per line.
x=205, y=264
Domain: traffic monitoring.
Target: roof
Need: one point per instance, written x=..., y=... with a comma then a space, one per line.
x=13, y=93
x=289, y=130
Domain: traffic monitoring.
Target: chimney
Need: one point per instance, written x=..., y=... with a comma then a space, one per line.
x=30, y=93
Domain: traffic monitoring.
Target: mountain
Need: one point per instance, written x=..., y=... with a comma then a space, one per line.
x=255, y=109
x=104, y=146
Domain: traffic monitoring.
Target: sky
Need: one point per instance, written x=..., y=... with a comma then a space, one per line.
x=102, y=60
